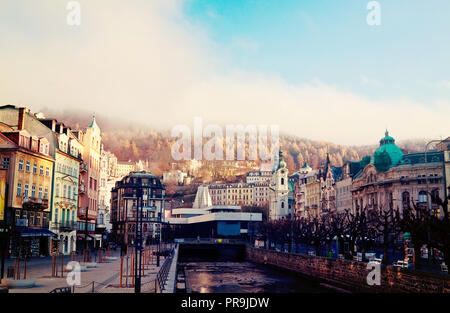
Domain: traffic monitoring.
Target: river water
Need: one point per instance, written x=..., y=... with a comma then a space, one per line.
x=246, y=277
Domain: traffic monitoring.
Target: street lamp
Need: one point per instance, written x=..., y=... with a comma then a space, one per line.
x=138, y=240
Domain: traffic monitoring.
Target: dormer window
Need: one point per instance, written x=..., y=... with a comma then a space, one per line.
x=43, y=145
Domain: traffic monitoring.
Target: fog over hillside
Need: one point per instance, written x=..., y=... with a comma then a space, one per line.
x=136, y=141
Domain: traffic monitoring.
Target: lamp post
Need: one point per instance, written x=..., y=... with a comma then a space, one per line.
x=140, y=197
x=430, y=255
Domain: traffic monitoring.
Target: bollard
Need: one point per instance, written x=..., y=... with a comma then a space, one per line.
x=25, y=269
x=93, y=282
x=53, y=266
x=18, y=268
x=126, y=277
x=121, y=270
x=132, y=270
x=62, y=264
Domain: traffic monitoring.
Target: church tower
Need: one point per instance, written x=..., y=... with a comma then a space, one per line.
x=279, y=190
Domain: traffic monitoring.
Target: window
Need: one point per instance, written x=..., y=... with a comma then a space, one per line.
x=5, y=163
x=34, y=168
x=56, y=215
x=47, y=172
x=19, y=189
x=27, y=168
x=64, y=191
x=69, y=193
x=41, y=170
x=20, y=165
x=46, y=194
x=33, y=191
x=25, y=192
x=423, y=197
x=405, y=199
x=57, y=190
x=40, y=193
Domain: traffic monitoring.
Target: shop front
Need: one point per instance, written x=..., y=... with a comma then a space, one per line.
x=30, y=242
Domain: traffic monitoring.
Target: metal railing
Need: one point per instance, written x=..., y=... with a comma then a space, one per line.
x=161, y=277
x=62, y=290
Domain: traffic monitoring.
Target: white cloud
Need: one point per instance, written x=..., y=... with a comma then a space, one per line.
x=444, y=84
x=366, y=81
x=144, y=62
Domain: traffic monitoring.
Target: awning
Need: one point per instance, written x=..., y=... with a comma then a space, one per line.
x=34, y=232
x=81, y=236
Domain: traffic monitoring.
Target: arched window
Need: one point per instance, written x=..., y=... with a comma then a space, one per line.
x=435, y=194
x=282, y=205
x=282, y=180
x=405, y=199
x=423, y=197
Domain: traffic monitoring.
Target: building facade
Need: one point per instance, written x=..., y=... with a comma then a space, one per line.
x=27, y=153
x=393, y=180
x=89, y=186
x=279, y=207
x=63, y=216
x=124, y=205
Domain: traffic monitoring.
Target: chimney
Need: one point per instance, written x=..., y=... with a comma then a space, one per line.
x=21, y=123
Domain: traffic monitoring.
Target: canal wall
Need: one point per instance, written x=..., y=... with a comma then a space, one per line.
x=352, y=275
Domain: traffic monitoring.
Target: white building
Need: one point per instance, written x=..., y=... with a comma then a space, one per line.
x=207, y=220
x=258, y=176
x=279, y=192
x=174, y=176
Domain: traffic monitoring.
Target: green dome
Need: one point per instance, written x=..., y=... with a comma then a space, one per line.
x=387, y=155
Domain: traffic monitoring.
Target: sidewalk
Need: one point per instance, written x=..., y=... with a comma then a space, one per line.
x=105, y=278
x=102, y=274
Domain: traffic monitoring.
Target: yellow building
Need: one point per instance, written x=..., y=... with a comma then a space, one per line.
x=312, y=194
x=29, y=163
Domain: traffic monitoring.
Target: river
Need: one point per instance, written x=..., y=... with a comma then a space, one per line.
x=246, y=277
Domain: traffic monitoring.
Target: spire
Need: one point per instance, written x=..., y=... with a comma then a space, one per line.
x=93, y=123
x=386, y=133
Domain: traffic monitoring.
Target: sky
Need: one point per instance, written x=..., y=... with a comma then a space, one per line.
x=315, y=68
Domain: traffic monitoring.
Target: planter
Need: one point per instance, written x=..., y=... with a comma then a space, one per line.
x=18, y=283
x=91, y=265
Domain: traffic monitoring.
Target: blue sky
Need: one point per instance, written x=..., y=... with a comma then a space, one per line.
x=406, y=57
x=314, y=68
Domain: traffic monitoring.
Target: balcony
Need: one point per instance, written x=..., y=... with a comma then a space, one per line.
x=33, y=203
x=67, y=226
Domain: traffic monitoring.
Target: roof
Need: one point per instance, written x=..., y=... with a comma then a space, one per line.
x=337, y=172
x=387, y=155
x=418, y=158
